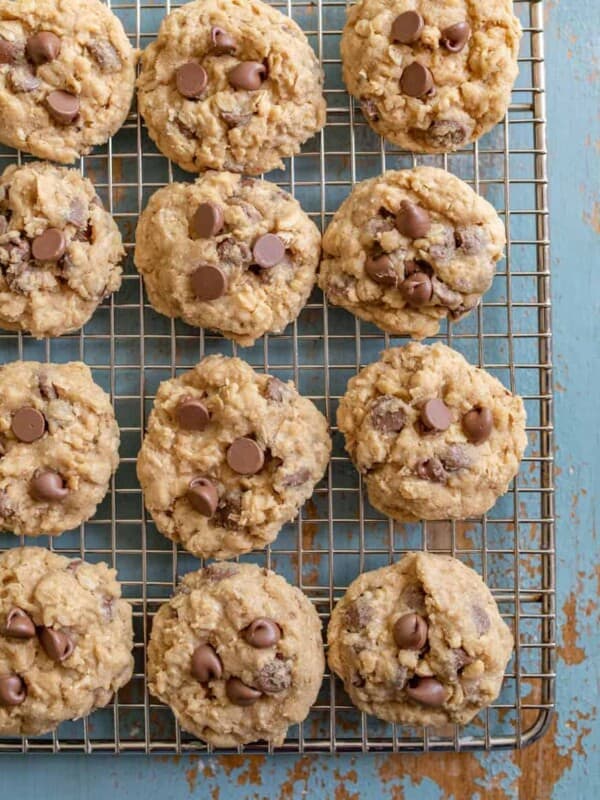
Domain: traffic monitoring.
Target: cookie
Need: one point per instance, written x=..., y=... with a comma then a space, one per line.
x=409, y=249
x=434, y=437
x=60, y=251
x=420, y=642
x=229, y=457
x=230, y=253
x=230, y=84
x=66, y=639
x=59, y=445
x=431, y=77
x=237, y=654
x=67, y=76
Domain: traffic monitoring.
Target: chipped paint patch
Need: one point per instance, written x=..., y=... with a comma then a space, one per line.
x=248, y=768
x=569, y=650
x=593, y=218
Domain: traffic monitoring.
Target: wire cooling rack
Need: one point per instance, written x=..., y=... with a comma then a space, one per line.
x=338, y=534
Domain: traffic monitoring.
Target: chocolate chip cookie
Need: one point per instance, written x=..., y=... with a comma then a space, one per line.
x=67, y=76
x=230, y=84
x=59, y=446
x=66, y=639
x=433, y=436
x=430, y=76
x=421, y=642
x=237, y=654
x=410, y=248
x=229, y=457
x=230, y=253
x=60, y=251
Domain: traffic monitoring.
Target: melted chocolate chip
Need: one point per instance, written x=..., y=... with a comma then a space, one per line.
x=359, y=614
x=410, y=632
x=262, y=632
x=381, y=270
x=481, y=619
x=478, y=424
x=412, y=220
x=19, y=625
x=248, y=75
x=427, y=691
x=13, y=690
x=10, y=52
x=276, y=390
x=22, y=80
x=417, y=289
x=206, y=665
x=234, y=253
x=203, y=496
x=431, y=469
x=43, y=47
x=58, y=645
x=105, y=55
x=222, y=41
x=48, y=486
x=455, y=37
x=240, y=694
x=297, y=478
x=446, y=133
x=49, y=245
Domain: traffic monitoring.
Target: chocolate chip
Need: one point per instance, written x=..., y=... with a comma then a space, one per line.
x=456, y=458
x=412, y=220
x=358, y=615
x=417, y=289
x=414, y=597
x=105, y=55
x=228, y=513
x=206, y=664
x=63, y=106
x=262, y=632
x=220, y=572
x=427, y=691
x=276, y=390
x=78, y=213
x=192, y=414
x=191, y=80
x=240, y=694
x=387, y=414
x=58, y=645
x=274, y=677
x=410, y=632
x=435, y=415
x=209, y=282
x=268, y=251
x=455, y=37
x=443, y=247
x=369, y=109
x=208, y=220
x=481, y=619
x=188, y=132
x=411, y=266
x=49, y=245
x=381, y=270
x=10, y=51
x=13, y=690
x=203, y=496
x=407, y=27
x=235, y=119
x=446, y=133
x=248, y=75
x=416, y=80
x=28, y=424
x=470, y=240
x=47, y=485
x=43, y=47
x=17, y=251
x=245, y=456
x=461, y=658
x=295, y=478
x=22, y=80
x=19, y=625
x=375, y=226
x=234, y=253
x=222, y=41
x=431, y=469
x=477, y=424
x=446, y=296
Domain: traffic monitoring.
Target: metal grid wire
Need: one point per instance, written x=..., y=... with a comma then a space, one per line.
x=338, y=534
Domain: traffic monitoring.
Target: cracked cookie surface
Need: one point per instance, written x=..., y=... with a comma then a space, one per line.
x=229, y=457
x=411, y=248
x=230, y=253
x=237, y=654
x=434, y=437
x=230, y=84
x=60, y=251
x=420, y=642
x=59, y=446
x=67, y=76
x=66, y=639
x=431, y=77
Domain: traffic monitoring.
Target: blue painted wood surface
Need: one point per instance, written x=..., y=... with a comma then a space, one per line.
x=566, y=763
